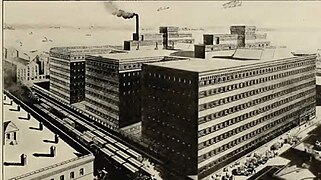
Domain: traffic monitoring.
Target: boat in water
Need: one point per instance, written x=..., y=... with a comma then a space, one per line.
x=303, y=53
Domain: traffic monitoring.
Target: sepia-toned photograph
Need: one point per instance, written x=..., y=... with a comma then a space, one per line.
x=161, y=90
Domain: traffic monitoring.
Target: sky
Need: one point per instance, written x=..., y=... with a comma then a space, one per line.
x=190, y=14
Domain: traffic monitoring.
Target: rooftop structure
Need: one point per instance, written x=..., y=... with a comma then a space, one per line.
x=211, y=64
x=43, y=157
x=167, y=38
x=240, y=36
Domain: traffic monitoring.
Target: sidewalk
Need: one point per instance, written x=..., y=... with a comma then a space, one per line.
x=299, y=131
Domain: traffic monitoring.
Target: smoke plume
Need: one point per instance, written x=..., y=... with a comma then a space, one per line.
x=114, y=10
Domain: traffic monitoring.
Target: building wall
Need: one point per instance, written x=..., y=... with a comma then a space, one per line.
x=10, y=69
x=77, y=81
x=318, y=96
x=60, y=77
x=129, y=97
x=102, y=91
x=169, y=116
x=81, y=168
x=238, y=110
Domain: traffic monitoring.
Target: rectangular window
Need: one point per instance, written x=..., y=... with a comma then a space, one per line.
x=72, y=175
x=62, y=177
x=81, y=171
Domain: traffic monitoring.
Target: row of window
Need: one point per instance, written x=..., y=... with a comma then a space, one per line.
x=252, y=82
x=169, y=90
x=59, y=75
x=246, y=146
x=78, y=84
x=132, y=66
x=252, y=134
x=131, y=92
x=236, y=97
x=52, y=79
x=128, y=74
x=59, y=94
x=100, y=65
x=251, y=72
x=107, y=109
x=77, y=57
x=103, y=97
x=156, y=122
x=254, y=102
x=64, y=63
x=131, y=83
x=71, y=175
x=251, y=114
x=106, y=90
x=59, y=88
x=102, y=79
x=78, y=77
x=104, y=72
x=232, y=121
x=167, y=138
x=62, y=69
x=242, y=128
x=166, y=150
x=60, y=56
x=104, y=116
x=170, y=78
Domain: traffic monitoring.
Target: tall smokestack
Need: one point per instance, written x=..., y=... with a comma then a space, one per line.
x=111, y=7
x=136, y=34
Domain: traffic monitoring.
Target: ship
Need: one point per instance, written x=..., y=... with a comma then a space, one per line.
x=302, y=53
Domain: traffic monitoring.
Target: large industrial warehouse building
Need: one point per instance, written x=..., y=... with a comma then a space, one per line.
x=113, y=86
x=201, y=115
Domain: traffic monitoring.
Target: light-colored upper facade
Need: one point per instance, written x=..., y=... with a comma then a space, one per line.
x=67, y=70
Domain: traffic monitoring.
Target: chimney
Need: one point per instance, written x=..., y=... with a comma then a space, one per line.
x=23, y=159
x=28, y=116
x=199, y=51
x=56, y=138
x=40, y=126
x=136, y=34
x=156, y=47
x=4, y=97
x=18, y=108
x=53, y=151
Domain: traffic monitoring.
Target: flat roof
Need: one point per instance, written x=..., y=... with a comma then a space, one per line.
x=135, y=54
x=210, y=64
x=31, y=141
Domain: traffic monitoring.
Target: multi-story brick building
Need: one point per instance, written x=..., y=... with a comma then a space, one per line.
x=67, y=70
x=113, y=86
x=200, y=115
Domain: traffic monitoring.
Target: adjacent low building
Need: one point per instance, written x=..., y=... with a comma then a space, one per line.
x=67, y=70
x=113, y=86
x=32, y=152
x=202, y=114
x=26, y=68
